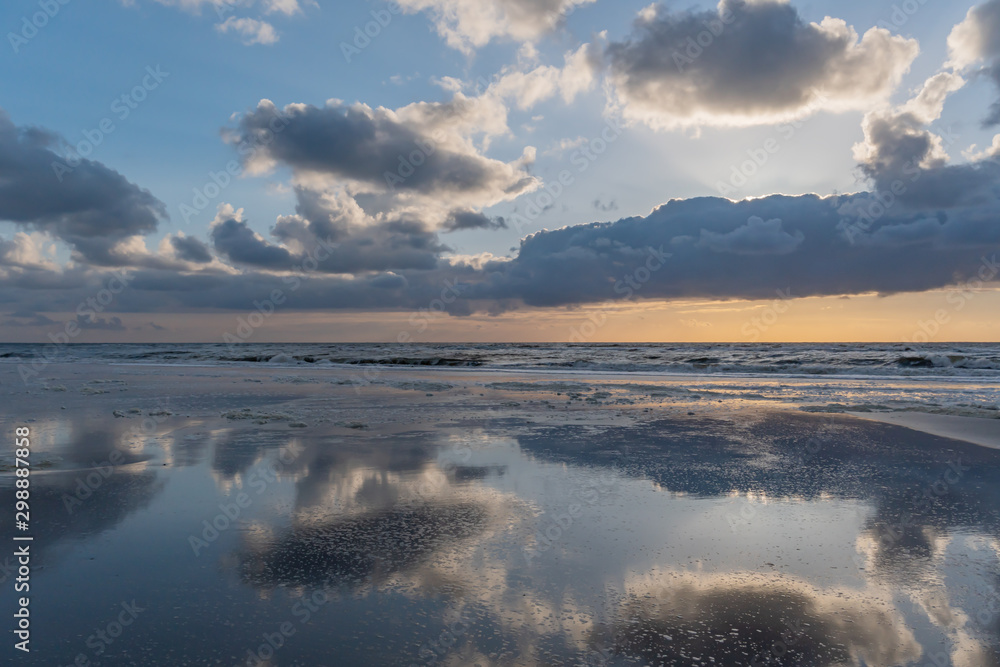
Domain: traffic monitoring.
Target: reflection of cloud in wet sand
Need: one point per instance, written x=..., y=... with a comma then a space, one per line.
x=102, y=476
x=912, y=566
x=353, y=550
x=670, y=616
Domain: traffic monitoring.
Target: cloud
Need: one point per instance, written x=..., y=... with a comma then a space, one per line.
x=195, y=6
x=190, y=249
x=707, y=248
x=977, y=37
x=757, y=237
x=748, y=64
x=897, y=139
x=977, y=40
x=28, y=319
x=720, y=249
x=330, y=234
x=991, y=152
x=420, y=162
x=235, y=240
x=286, y=7
x=469, y=24
x=252, y=31
x=528, y=88
x=375, y=147
x=461, y=220
x=222, y=7
x=375, y=188
x=89, y=206
x=908, y=162
x=26, y=251
x=94, y=323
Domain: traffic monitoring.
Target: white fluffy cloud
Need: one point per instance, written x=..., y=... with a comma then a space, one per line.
x=976, y=40
x=749, y=64
x=223, y=7
x=252, y=31
x=424, y=161
x=897, y=139
x=469, y=24
x=977, y=37
x=528, y=88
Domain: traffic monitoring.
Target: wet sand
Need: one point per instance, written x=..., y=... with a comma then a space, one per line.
x=984, y=432
x=326, y=517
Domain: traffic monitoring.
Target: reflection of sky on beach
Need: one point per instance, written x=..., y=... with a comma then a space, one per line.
x=667, y=542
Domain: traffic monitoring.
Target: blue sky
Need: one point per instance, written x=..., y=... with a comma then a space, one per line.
x=65, y=79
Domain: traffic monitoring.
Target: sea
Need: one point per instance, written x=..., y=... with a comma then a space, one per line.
x=951, y=360
x=948, y=378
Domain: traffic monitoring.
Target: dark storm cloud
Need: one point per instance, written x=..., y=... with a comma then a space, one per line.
x=906, y=158
x=748, y=63
x=191, y=249
x=463, y=219
x=236, y=241
x=757, y=237
x=326, y=233
x=709, y=248
x=372, y=147
x=88, y=206
x=716, y=248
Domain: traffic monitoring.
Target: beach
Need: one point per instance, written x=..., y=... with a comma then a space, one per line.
x=304, y=516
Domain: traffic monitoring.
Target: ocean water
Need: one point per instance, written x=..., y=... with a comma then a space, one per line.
x=789, y=360
x=953, y=379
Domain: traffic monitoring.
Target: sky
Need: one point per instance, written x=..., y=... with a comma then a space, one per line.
x=499, y=170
